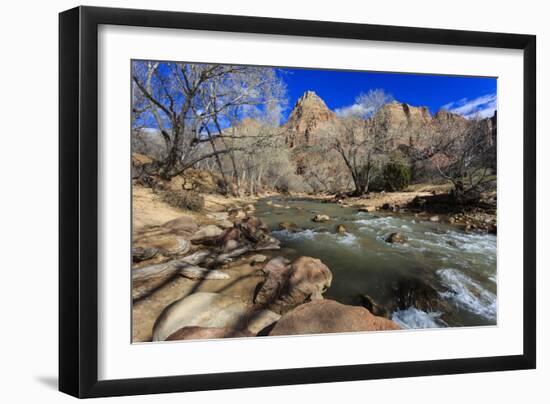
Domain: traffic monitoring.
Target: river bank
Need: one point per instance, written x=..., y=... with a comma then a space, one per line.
x=404, y=283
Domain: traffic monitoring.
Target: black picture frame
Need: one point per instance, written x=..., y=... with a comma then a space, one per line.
x=78, y=201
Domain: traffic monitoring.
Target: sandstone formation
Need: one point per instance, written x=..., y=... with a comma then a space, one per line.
x=328, y=316
x=288, y=285
x=211, y=310
x=207, y=333
x=308, y=115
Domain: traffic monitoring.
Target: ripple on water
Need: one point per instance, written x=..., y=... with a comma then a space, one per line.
x=294, y=235
x=467, y=293
x=414, y=318
x=347, y=239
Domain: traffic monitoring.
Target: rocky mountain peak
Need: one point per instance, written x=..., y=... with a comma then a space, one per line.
x=309, y=113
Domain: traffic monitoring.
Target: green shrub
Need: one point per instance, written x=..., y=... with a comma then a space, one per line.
x=396, y=176
x=189, y=200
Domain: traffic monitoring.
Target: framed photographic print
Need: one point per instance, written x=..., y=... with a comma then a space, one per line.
x=250, y=201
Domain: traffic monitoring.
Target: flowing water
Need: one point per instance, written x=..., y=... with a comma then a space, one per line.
x=460, y=266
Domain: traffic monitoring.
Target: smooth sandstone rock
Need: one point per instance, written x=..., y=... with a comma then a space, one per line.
x=328, y=316
x=211, y=310
x=196, y=272
x=257, y=259
x=184, y=226
x=210, y=230
x=207, y=333
x=170, y=238
x=288, y=285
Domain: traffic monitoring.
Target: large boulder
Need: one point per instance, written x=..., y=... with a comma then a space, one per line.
x=256, y=232
x=171, y=238
x=208, y=231
x=183, y=226
x=288, y=285
x=328, y=316
x=207, y=333
x=211, y=310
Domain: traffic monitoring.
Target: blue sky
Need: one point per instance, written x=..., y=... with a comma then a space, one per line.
x=464, y=95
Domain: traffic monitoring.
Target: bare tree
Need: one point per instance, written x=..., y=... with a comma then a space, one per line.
x=461, y=152
x=364, y=140
x=190, y=105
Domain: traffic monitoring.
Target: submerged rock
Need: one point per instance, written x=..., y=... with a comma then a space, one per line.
x=328, y=316
x=288, y=226
x=396, y=237
x=374, y=306
x=367, y=209
x=207, y=333
x=321, y=218
x=211, y=310
x=418, y=293
x=341, y=229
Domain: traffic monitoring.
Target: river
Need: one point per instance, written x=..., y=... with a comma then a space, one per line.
x=460, y=266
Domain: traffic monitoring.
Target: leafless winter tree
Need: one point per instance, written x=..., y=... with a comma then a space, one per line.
x=191, y=104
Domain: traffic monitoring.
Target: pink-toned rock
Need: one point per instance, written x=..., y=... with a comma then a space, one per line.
x=183, y=225
x=288, y=285
x=328, y=316
x=207, y=333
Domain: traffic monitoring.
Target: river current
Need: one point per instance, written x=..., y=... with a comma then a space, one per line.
x=460, y=266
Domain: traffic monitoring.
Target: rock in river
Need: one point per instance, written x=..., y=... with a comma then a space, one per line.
x=396, y=238
x=341, y=229
x=326, y=316
x=321, y=218
x=288, y=285
x=211, y=310
x=288, y=226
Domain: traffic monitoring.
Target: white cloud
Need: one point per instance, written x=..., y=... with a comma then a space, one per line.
x=484, y=106
x=353, y=110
